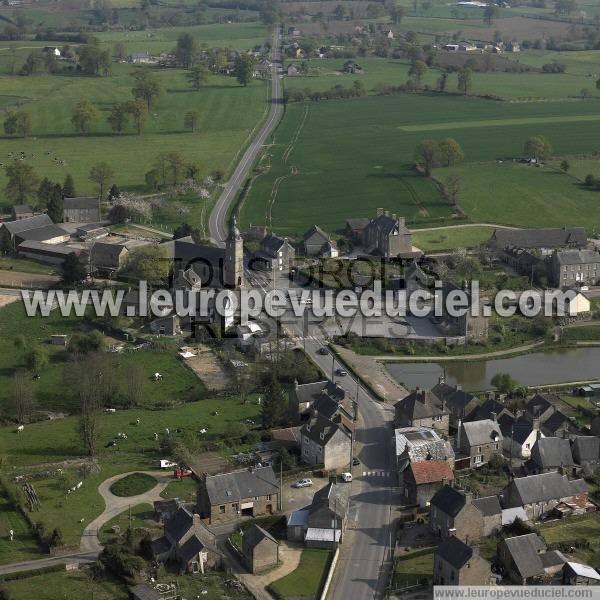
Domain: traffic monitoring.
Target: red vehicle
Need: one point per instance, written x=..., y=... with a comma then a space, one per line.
x=181, y=473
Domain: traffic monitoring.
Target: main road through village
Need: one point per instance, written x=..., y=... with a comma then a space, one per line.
x=365, y=554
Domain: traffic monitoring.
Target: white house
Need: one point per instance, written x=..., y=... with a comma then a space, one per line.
x=519, y=438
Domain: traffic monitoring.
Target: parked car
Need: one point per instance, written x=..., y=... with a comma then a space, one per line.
x=302, y=483
x=355, y=461
x=341, y=372
x=346, y=477
x=322, y=351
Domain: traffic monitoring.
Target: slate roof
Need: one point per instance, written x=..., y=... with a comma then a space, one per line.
x=20, y=209
x=179, y=524
x=34, y=222
x=540, y=403
x=518, y=431
x=540, y=238
x=541, y=488
x=550, y=452
x=320, y=429
x=485, y=410
x=385, y=223
x=40, y=234
x=583, y=570
x=145, y=592
x=310, y=392
x=315, y=229
x=357, y=223
x=554, y=422
x=454, y=552
x=488, y=506
x=586, y=449
x=552, y=558
x=81, y=202
x=237, y=485
x=185, y=253
x=192, y=547
x=524, y=550
x=271, y=245
x=577, y=257
x=333, y=498
x=420, y=404
x=449, y=500
x=160, y=545
x=106, y=254
x=254, y=535
x=431, y=471
x=55, y=249
x=455, y=398
x=477, y=433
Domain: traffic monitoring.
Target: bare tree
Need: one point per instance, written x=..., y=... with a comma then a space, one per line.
x=134, y=384
x=22, y=396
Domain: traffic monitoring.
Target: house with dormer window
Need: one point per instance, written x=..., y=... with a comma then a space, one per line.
x=323, y=442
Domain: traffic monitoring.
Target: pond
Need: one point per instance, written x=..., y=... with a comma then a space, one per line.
x=539, y=368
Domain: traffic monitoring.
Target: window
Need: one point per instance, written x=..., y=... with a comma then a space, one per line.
x=478, y=459
x=479, y=449
x=235, y=506
x=256, y=497
x=268, y=497
x=527, y=446
x=496, y=446
x=222, y=509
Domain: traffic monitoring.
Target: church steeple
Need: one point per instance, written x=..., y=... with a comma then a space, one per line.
x=233, y=269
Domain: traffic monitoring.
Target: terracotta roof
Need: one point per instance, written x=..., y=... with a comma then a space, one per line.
x=431, y=471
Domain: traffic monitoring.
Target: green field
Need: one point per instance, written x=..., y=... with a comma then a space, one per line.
x=24, y=545
x=337, y=159
x=450, y=237
x=133, y=485
x=413, y=568
x=141, y=515
x=586, y=528
x=307, y=580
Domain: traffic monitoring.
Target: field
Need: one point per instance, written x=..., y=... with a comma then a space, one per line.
x=133, y=485
x=448, y=238
x=24, y=545
x=139, y=516
x=344, y=158
x=414, y=567
x=307, y=580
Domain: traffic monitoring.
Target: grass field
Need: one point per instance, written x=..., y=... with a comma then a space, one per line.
x=185, y=489
x=133, y=485
x=450, y=238
x=589, y=333
x=23, y=546
x=306, y=581
x=25, y=266
x=142, y=515
x=414, y=567
x=344, y=158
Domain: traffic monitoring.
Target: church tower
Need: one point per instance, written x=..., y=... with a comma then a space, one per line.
x=233, y=269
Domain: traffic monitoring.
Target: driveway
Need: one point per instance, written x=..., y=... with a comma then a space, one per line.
x=115, y=505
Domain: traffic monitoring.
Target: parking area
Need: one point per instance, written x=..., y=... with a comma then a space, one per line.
x=296, y=498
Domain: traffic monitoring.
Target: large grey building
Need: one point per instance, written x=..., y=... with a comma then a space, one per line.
x=81, y=210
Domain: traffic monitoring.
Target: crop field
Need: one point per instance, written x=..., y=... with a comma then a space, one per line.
x=228, y=113
x=345, y=158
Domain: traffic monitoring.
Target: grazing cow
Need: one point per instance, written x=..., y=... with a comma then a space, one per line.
x=20, y=428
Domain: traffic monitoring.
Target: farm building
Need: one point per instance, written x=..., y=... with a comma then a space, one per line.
x=260, y=549
x=22, y=211
x=81, y=210
x=52, y=254
x=39, y=228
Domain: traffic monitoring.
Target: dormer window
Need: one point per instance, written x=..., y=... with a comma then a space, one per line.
x=322, y=436
x=308, y=428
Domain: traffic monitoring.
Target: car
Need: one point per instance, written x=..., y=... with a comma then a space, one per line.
x=585, y=288
x=341, y=372
x=346, y=477
x=323, y=351
x=302, y=483
x=355, y=461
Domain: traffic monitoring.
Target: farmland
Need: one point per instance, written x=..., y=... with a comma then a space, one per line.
x=317, y=142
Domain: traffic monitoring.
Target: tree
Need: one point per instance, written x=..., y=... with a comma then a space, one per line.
x=22, y=182
x=120, y=52
x=139, y=113
x=84, y=114
x=22, y=396
x=117, y=119
x=565, y=165
x=537, y=147
x=134, y=384
x=186, y=50
x=145, y=87
x=504, y=383
x=442, y=82
x=55, y=204
x=191, y=119
x=44, y=191
x=95, y=60
x=396, y=14
x=31, y=64
x=197, y=76
x=114, y=192
x=148, y=263
x=427, y=153
x=417, y=71
x=56, y=538
x=465, y=80
x=69, y=187
x=451, y=188
x=170, y=166
x=89, y=417
x=450, y=151
x=565, y=7
x=17, y=123
x=244, y=69
x=73, y=271
x=490, y=13
x=101, y=174
x=36, y=359
x=273, y=408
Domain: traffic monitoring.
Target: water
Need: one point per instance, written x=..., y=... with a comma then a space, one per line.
x=540, y=368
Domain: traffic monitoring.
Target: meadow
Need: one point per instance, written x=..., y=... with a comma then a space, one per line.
x=336, y=159
x=448, y=238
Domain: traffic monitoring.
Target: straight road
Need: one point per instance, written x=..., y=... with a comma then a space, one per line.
x=217, y=222
x=365, y=554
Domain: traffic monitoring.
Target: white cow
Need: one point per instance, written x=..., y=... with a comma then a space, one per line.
x=20, y=428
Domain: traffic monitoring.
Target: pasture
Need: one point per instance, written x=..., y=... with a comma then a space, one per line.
x=447, y=238
x=337, y=159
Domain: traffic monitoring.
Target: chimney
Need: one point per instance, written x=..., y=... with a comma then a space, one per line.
x=379, y=212
x=458, y=387
x=494, y=417
x=458, y=434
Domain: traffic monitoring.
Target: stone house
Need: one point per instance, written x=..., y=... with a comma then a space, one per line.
x=575, y=267
x=494, y=410
x=520, y=437
x=323, y=442
x=275, y=254
x=491, y=514
x=260, y=549
x=418, y=444
x=544, y=407
x=316, y=242
x=422, y=408
x=22, y=211
x=324, y=520
x=551, y=454
x=81, y=210
x=479, y=440
x=526, y=561
x=249, y=492
x=188, y=542
x=355, y=229
x=586, y=452
x=452, y=513
x=544, y=241
x=305, y=399
x=455, y=563
x=458, y=402
x=423, y=479
x=387, y=235
x=539, y=494
x=107, y=258
x=579, y=574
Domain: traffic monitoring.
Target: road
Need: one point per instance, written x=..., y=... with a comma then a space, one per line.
x=365, y=553
x=218, y=218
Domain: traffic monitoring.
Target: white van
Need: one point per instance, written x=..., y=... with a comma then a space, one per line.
x=346, y=477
